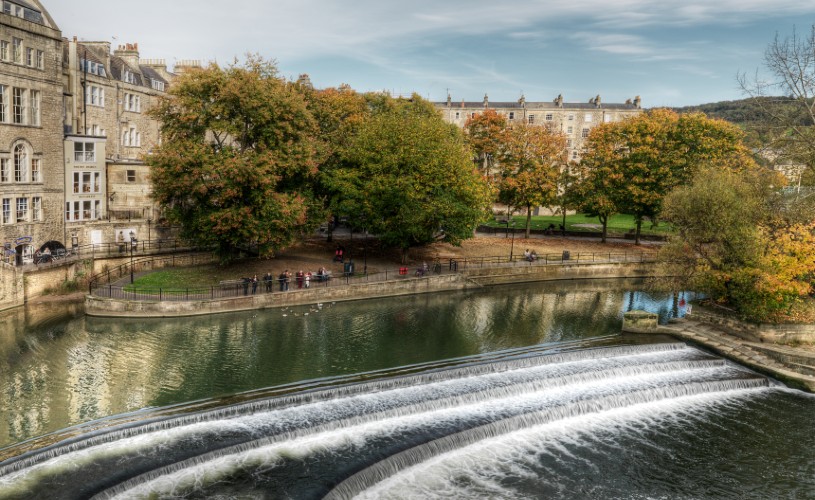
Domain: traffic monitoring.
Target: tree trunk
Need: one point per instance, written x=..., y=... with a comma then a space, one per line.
x=637, y=234
x=563, y=225
x=604, y=222
x=528, y=221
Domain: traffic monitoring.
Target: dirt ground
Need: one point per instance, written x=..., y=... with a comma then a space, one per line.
x=317, y=252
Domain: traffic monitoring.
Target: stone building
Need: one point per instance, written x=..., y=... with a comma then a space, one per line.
x=573, y=119
x=32, y=177
x=108, y=96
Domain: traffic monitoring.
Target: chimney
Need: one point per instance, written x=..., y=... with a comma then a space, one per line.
x=449, y=100
x=305, y=81
x=486, y=101
x=522, y=101
x=637, y=102
x=597, y=101
x=559, y=100
x=130, y=53
x=186, y=65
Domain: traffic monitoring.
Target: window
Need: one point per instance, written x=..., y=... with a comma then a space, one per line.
x=5, y=170
x=131, y=176
x=29, y=56
x=131, y=138
x=585, y=133
x=86, y=182
x=17, y=50
x=95, y=96
x=36, y=208
x=4, y=50
x=20, y=164
x=568, y=143
x=129, y=77
x=587, y=117
x=36, y=170
x=22, y=209
x=18, y=105
x=3, y=103
x=40, y=59
x=76, y=182
x=548, y=117
x=571, y=118
x=511, y=115
x=574, y=155
x=6, y=210
x=531, y=118
x=132, y=103
x=157, y=85
x=569, y=129
x=92, y=67
x=84, y=152
x=35, y=107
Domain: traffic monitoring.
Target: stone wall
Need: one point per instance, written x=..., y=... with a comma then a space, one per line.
x=775, y=334
x=11, y=287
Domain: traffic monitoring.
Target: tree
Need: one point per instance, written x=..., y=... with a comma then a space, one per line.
x=531, y=160
x=723, y=245
x=790, y=62
x=638, y=161
x=238, y=157
x=411, y=177
x=486, y=134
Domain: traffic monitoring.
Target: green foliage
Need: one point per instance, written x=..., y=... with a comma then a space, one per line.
x=730, y=244
x=630, y=166
x=408, y=177
x=238, y=159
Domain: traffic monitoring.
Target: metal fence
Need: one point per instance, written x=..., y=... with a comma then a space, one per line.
x=111, y=285
x=102, y=250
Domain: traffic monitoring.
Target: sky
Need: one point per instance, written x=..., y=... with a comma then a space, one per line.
x=669, y=52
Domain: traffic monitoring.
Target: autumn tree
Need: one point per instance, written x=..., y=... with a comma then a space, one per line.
x=238, y=158
x=636, y=162
x=730, y=245
x=410, y=176
x=486, y=133
x=531, y=160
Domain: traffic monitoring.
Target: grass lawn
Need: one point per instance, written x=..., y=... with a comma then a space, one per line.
x=180, y=278
x=617, y=224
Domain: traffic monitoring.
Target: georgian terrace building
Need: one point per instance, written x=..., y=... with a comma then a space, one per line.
x=31, y=130
x=573, y=119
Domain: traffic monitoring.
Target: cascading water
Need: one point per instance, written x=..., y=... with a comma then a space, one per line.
x=499, y=425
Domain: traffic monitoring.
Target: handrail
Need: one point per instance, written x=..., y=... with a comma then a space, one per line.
x=236, y=288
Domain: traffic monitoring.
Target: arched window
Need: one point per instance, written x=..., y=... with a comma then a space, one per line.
x=21, y=163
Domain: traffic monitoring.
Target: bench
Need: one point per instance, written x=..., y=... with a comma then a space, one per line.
x=229, y=284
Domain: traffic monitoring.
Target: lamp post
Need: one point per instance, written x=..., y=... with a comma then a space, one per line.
x=512, y=245
x=132, y=248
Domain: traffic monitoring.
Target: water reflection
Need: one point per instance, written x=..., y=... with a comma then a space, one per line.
x=59, y=367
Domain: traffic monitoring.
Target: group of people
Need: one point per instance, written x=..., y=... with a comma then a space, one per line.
x=530, y=256
x=551, y=229
x=302, y=279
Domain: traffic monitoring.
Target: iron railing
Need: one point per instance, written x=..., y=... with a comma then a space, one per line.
x=115, y=282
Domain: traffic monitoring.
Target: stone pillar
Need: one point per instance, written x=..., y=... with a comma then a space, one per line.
x=640, y=322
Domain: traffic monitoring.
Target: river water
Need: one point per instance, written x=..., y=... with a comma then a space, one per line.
x=506, y=392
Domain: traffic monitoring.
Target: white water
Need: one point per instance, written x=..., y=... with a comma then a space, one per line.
x=486, y=402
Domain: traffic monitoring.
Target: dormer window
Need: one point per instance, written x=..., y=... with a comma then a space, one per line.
x=157, y=85
x=129, y=77
x=93, y=67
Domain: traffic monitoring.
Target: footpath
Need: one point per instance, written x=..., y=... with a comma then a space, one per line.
x=794, y=366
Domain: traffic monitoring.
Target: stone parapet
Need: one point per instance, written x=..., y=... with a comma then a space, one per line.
x=751, y=332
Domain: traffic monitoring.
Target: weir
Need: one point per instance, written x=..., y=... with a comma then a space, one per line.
x=342, y=440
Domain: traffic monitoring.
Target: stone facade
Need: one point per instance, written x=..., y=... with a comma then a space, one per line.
x=31, y=131
x=109, y=97
x=575, y=120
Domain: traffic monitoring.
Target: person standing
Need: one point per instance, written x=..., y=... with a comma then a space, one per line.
x=307, y=279
x=268, y=280
x=282, y=280
x=288, y=279
x=254, y=284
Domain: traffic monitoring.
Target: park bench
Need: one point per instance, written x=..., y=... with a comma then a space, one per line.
x=230, y=284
